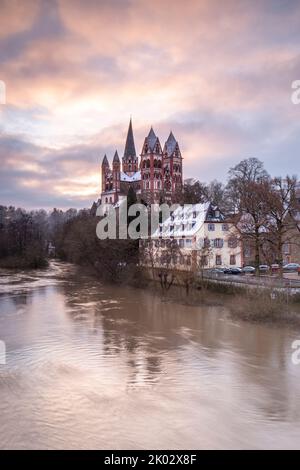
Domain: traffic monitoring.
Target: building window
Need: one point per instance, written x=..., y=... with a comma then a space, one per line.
x=218, y=260
x=194, y=215
x=225, y=227
x=181, y=242
x=286, y=249
x=188, y=242
x=247, y=251
x=211, y=227
x=204, y=260
x=218, y=243
x=232, y=242
x=232, y=260
x=106, y=200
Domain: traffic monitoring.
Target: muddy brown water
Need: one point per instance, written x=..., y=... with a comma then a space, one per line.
x=96, y=366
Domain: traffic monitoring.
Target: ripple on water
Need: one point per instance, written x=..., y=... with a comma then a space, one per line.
x=94, y=366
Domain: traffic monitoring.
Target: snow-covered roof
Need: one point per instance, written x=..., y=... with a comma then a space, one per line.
x=129, y=179
x=185, y=221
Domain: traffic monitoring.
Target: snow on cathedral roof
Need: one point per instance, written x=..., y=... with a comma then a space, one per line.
x=129, y=179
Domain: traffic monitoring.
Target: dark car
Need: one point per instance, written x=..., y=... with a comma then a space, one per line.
x=234, y=271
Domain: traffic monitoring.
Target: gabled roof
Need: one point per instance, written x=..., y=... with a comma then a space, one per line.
x=129, y=146
x=129, y=179
x=187, y=220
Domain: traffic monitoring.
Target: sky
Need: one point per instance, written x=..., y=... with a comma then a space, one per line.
x=218, y=74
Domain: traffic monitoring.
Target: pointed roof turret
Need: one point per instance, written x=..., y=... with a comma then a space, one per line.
x=116, y=157
x=105, y=161
x=151, y=139
x=170, y=144
x=129, y=146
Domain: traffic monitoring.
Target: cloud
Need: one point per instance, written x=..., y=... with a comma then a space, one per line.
x=218, y=74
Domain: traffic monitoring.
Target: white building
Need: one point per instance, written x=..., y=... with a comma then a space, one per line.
x=203, y=237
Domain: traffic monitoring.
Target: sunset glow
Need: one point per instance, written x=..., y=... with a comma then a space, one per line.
x=219, y=77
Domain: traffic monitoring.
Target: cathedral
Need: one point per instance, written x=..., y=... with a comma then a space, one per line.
x=156, y=177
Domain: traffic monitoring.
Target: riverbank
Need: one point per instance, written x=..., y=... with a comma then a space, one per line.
x=247, y=302
x=23, y=262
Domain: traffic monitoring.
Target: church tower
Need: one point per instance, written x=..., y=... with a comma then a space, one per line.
x=151, y=168
x=172, y=168
x=130, y=159
x=105, y=170
x=116, y=171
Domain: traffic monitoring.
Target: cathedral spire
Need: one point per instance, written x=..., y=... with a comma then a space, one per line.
x=129, y=146
x=151, y=138
x=170, y=144
x=116, y=157
x=105, y=161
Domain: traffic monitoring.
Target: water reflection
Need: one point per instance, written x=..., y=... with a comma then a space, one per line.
x=109, y=367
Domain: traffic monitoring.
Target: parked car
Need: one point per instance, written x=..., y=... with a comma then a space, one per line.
x=291, y=267
x=216, y=271
x=275, y=267
x=263, y=268
x=235, y=271
x=248, y=270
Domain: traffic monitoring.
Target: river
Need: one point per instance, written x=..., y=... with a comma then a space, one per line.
x=95, y=366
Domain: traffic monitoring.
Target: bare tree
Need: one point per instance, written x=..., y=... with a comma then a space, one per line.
x=282, y=203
